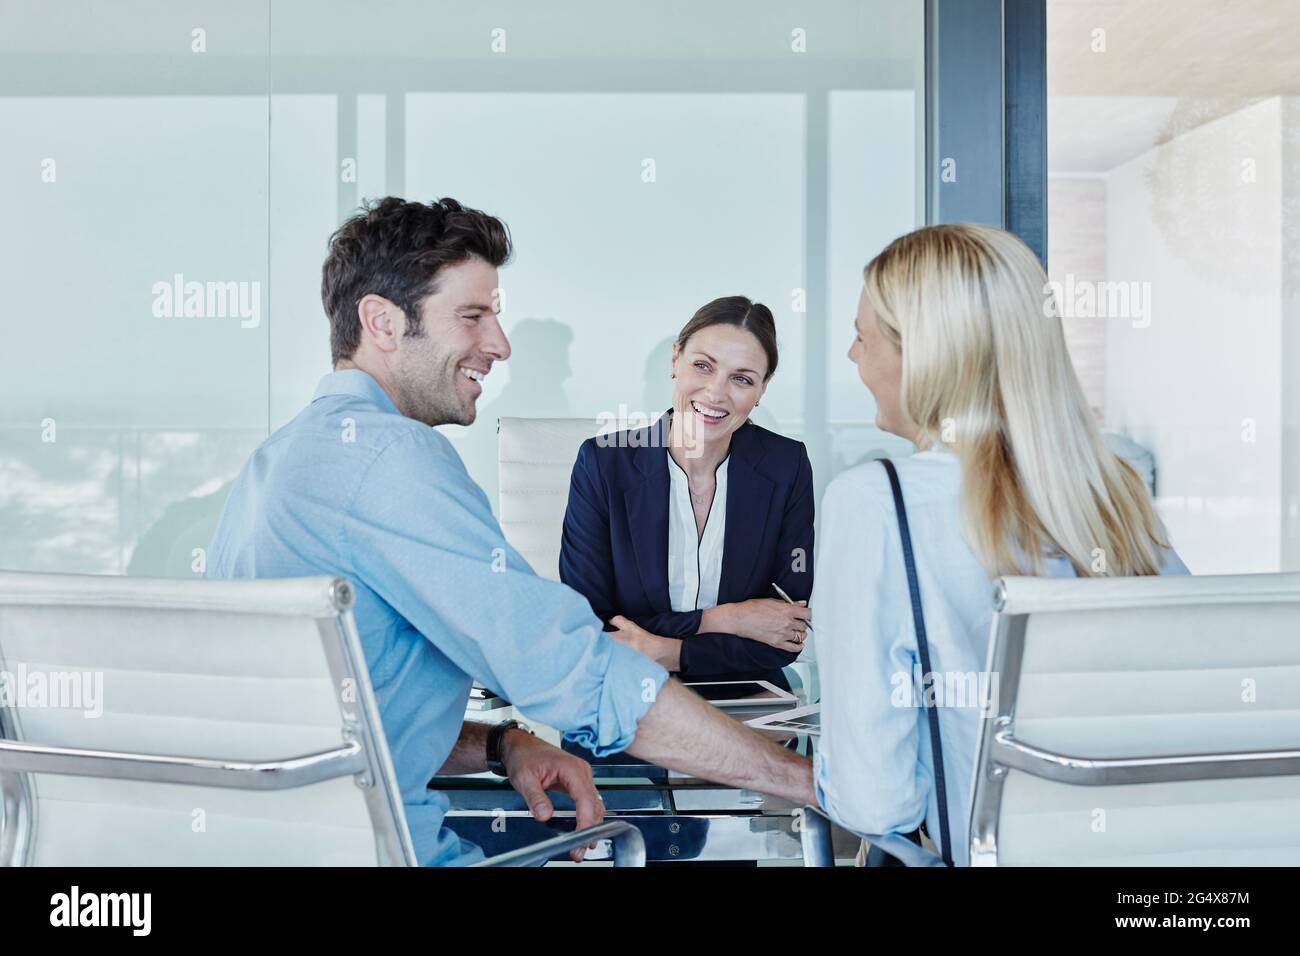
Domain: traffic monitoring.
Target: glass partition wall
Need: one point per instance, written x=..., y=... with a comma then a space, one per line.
x=136, y=268
x=178, y=167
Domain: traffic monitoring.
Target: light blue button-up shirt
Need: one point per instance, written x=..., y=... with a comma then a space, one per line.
x=353, y=488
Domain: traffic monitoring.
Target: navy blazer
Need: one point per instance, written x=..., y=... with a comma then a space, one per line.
x=615, y=545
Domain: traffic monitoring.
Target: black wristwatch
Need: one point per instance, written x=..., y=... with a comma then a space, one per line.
x=495, y=736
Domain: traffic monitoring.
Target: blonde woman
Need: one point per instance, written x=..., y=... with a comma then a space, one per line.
x=961, y=346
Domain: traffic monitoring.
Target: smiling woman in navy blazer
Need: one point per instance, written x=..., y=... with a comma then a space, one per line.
x=676, y=532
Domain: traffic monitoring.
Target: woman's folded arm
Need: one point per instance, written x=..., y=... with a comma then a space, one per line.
x=670, y=623
x=713, y=654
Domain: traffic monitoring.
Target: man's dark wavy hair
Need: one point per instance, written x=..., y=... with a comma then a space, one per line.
x=395, y=249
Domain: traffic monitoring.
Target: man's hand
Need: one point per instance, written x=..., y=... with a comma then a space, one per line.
x=664, y=651
x=535, y=766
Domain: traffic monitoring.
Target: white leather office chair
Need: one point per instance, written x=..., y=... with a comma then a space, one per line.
x=535, y=457
x=1142, y=721
x=236, y=726
x=253, y=696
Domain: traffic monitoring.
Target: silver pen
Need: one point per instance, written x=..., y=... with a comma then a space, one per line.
x=788, y=600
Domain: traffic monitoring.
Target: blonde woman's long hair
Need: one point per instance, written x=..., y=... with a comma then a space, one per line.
x=985, y=371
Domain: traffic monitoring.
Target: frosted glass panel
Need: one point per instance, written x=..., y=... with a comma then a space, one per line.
x=629, y=212
x=135, y=150
x=177, y=169
x=872, y=188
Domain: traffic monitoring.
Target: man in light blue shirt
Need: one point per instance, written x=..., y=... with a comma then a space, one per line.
x=360, y=485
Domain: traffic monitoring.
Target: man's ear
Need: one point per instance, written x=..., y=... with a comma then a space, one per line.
x=381, y=321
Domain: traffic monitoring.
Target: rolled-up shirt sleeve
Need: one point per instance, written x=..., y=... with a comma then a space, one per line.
x=420, y=532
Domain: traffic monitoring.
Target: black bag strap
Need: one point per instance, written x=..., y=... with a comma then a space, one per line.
x=918, y=619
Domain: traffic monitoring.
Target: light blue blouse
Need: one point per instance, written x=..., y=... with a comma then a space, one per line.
x=872, y=767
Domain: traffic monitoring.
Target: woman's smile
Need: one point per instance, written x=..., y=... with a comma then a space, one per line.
x=709, y=414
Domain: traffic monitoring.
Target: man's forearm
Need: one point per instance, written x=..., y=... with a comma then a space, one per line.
x=469, y=755
x=684, y=733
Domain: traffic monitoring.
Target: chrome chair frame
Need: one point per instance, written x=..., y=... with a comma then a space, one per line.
x=1000, y=750
x=815, y=837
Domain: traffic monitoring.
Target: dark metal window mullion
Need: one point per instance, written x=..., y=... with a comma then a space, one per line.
x=986, y=71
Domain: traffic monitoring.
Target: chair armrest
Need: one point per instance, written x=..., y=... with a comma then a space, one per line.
x=818, y=846
x=815, y=837
x=282, y=774
x=629, y=846
x=903, y=849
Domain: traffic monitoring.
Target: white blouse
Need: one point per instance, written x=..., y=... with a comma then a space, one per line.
x=694, y=560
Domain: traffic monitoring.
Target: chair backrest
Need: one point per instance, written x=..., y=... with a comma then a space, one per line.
x=535, y=457
x=1142, y=721
x=167, y=722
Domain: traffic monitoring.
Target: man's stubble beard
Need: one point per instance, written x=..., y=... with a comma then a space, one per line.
x=428, y=390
